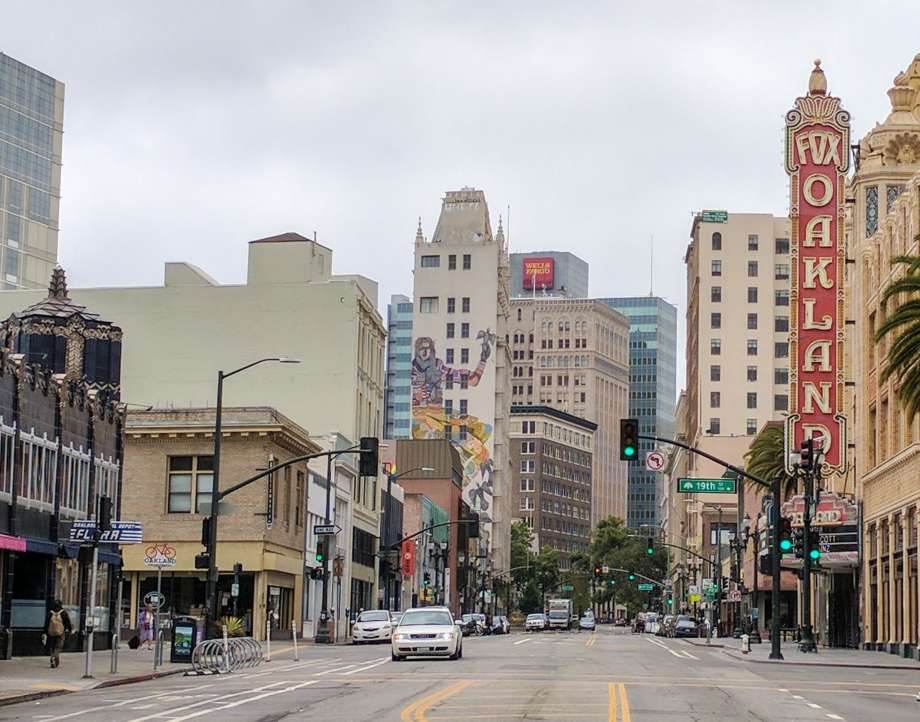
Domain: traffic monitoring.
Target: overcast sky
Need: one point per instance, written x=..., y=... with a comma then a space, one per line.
x=193, y=127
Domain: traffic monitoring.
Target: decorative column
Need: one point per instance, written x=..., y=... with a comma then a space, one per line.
x=905, y=584
x=880, y=625
x=917, y=609
x=892, y=598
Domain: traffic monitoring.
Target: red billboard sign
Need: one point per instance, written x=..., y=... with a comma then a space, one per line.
x=817, y=159
x=408, y=558
x=538, y=273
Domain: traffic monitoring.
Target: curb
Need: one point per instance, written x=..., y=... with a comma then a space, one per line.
x=117, y=682
x=745, y=658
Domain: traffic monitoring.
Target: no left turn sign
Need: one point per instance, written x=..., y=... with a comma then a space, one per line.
x=654, y=461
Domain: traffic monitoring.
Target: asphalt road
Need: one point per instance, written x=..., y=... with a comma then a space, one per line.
x=607, y=675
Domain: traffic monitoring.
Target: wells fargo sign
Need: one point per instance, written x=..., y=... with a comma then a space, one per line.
x=817, y=159
x=538, y=273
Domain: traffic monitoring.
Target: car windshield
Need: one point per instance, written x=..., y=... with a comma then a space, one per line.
x=382, y=616
x=683, y=618
x=417, y=619
x=535, y=616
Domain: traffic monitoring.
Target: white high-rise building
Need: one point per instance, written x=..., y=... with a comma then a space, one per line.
x=460, y=360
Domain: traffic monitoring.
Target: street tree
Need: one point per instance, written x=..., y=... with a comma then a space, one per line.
x=765, y=458
x=903, y=360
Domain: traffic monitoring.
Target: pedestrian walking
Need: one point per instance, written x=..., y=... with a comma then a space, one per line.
x=145, y=627
x=57, y=627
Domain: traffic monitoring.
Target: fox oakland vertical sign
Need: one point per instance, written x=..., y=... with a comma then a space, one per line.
x=817, y=159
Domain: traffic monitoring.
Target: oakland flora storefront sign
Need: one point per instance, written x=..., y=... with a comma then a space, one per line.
x=817, y=159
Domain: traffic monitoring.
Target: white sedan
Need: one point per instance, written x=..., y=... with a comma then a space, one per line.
x=373, y=626
x=534, y=623
x=427, y=632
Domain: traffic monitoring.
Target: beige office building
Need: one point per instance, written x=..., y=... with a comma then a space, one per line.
x=460, y=380
x=31, y=138
x=572, y=354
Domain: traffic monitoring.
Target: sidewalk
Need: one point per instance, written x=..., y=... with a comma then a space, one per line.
x=825, y=657
x=26, y=678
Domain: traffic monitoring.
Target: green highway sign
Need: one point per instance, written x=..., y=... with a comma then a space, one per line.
x=707, y=486
x=714, y=216
x=567, y=587
x=646, y=587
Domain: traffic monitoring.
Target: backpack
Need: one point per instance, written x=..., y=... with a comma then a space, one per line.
x=56, y=625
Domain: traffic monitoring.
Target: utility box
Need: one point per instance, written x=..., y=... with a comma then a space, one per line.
x=184, y=639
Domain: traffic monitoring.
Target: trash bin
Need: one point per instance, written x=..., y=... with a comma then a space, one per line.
x=184, y=638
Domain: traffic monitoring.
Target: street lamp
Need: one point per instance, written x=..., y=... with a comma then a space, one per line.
x=755, y=600
x=391, y=477
x=215, y=484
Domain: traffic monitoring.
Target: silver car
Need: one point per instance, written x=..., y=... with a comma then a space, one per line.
x=372, y=626
x=427, y=632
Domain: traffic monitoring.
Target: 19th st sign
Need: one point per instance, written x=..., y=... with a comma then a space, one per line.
x=817, y=159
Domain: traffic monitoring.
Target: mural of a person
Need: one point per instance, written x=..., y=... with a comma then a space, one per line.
x=429, y=372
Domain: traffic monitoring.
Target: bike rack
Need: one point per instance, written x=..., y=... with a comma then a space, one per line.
x=217, y=656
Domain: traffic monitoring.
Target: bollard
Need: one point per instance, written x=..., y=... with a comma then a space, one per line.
x=158, y=650
x=268, y=638
x=294, y=639
x=745, y=644
x=113, y=668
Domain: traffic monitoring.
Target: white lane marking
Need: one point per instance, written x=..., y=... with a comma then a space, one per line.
x=253, y=676
x=781, y=689
x=813, y=705
x=362, y=669
x=309, y=663
x=123, y=703
x=239, y=702
x=688, y=655
x=334, y=669
x=797, y=696
x=834, y=716
x=524, y=641
x=229, y=695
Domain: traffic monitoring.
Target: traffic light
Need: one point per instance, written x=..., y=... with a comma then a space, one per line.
x=632, y=577
x=807, y=462
x=321, y=550
x=650, y=546
x=316, y=573
x=202, y=561
x=798, y=542
x=670, y=602
x=629, y=439
x=369, y=458
x=814, y=545
x=611, y=582
x=105, y=514
x=597, y=571
x=785, y=535
x=238, y=567
x=474, y=526
x=206, y=532
x=426, y=581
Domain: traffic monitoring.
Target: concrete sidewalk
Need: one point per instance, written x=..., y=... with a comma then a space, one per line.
x=26, y=678
x=825, y=657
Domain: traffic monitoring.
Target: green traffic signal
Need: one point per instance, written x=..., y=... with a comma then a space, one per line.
x=670, y=601
x=611, y=582
x=785, y=545
x=814, y=554
x=632, y=577
x=629, y=450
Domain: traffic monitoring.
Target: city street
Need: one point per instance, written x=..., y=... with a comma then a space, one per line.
x=608, y=675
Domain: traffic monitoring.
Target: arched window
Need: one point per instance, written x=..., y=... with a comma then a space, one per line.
x=717, y=241
x=519, y=314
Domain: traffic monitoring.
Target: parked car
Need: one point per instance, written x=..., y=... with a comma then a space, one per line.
x=664, y=629
x=639, y=623
x=621, y=622
x=500, y=625
x=535, y=623
x=586, y=622
x=684, y=626
x=427, y=632
x=372, y=626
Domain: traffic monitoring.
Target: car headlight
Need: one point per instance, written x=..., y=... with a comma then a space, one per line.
x=446, y=635
x=399, y=637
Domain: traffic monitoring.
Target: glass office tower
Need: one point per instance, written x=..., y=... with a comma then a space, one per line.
x=398, y=394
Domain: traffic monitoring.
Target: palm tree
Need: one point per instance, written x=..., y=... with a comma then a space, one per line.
x=766, y=457
x=903, y=361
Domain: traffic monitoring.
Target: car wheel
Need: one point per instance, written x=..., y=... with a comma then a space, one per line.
x=395, y=657
x=460, y=652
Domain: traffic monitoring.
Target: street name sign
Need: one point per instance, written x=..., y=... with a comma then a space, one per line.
x=567, y=587
x=707, y=486
x=646, y=587
x=326, y=529
x=122, y=532
x=714, y=217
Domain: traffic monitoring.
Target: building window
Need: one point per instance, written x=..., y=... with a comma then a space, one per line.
x=781, y=323
x=752, y=294
x=450, y=330
x=781, y=349
x=752, y=347
x=752, y=321
x=717, y=268
x=715, y=346
x=782, y=246
x=528, y=466
x=464, y=330
x=782, y=298
x=448, y=407
x=464, y=355
x=715, y=399
x=871, y=210
x=715, y=294
x=752, y=399
x=751, y=373
x=717, y=241
x=452, y=262
x=190, y=483
x=715, y=426
x=467, y=261
x=715, y=320
x=715, y=373
x=781, y=271
x=781, y=376
x=751, y=427
x=753, y=241
x=527, y=485
x=464, y=408
x=428, y=304
x=752, y=269
x=299, y=501
x=451, y=304
x=465, y=304
x=449, y=357
x=528, y=447
x=431, y=261
x=780, y=402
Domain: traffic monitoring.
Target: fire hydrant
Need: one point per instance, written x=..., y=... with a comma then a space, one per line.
x=745, y=644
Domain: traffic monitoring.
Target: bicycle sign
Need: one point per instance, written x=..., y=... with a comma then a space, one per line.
x=160, y=555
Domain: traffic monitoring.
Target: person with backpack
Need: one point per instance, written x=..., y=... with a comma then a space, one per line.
x=57, y=627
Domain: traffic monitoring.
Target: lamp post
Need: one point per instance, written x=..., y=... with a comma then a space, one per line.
x=212, y=609
x=717, y=610
x=387, y=524
x=755, y=600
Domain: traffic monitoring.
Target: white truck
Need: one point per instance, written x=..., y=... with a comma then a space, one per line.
x=560, y=614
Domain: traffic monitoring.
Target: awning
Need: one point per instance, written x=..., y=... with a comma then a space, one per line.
x=46, y=546
x=12, y=543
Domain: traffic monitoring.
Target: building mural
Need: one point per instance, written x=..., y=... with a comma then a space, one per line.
x=430, y=376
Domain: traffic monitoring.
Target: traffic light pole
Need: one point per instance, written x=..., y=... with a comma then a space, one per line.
x=807, y=637
x=775, y=622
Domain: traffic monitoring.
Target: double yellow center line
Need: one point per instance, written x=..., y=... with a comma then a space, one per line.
x=592, y=640
x=614, y=691
x=415, y=712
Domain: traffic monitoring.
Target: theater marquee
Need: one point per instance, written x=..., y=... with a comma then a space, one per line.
x=817, y=159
